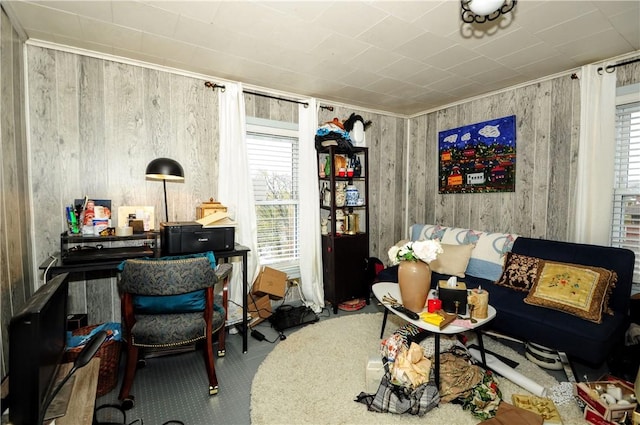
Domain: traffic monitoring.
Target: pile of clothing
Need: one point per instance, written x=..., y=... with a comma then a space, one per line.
x=408, y=385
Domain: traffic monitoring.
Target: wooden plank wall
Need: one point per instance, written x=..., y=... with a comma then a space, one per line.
x=16, y=279
x=547, y=119
x=95, y=125
x=547, y=114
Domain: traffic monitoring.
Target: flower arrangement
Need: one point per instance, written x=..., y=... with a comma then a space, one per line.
x=424, y=250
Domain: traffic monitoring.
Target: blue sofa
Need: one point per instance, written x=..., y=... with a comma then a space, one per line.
x=578, y=338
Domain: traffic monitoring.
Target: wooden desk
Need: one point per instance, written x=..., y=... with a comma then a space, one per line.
x=238, y=251
x=83, y=395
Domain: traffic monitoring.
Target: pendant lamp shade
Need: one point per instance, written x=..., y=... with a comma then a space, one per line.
x=165, y=169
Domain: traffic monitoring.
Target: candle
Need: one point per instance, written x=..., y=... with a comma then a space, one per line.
x=480, y=301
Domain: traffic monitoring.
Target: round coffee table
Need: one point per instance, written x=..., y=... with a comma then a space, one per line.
x=392, y=289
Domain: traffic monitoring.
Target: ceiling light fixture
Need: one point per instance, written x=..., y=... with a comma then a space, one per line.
x=481, y=11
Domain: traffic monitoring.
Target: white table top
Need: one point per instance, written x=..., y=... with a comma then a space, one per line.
x=381, y=289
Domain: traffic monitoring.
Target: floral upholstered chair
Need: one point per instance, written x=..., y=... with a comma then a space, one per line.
x=170, y=302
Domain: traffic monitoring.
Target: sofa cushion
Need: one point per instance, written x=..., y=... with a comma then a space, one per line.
x=576, y=289
x=520, y=272
x=487, y=258
x=453, y=260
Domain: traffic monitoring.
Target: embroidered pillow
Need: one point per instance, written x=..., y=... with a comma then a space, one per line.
x=453, y=260
x=583, y=291
x=520, y=272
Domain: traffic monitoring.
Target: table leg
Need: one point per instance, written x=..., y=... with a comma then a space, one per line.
x=481, y=345
x=245, y=324
x=436, y=360
x=384, y=322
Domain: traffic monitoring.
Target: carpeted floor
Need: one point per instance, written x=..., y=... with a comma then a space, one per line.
x=314, y=376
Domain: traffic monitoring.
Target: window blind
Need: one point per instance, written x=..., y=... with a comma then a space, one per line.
x=626, y=204
x=273, y=163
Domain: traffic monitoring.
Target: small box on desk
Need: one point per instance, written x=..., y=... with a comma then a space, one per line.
x=450, y=295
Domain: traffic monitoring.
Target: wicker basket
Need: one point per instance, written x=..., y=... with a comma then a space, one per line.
x=109, y=354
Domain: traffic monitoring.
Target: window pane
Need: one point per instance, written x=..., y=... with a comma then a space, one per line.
x=626, y=204
x=273, y=162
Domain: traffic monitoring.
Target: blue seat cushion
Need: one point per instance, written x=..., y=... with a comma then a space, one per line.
x=183, y=303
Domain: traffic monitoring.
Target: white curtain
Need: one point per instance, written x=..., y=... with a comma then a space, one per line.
x=235, y=190
x=310, y=241
x=596, y=154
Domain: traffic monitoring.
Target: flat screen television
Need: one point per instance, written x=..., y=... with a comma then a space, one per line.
x=37, y=342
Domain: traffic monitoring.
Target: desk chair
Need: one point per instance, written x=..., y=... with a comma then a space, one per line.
x=169, y=302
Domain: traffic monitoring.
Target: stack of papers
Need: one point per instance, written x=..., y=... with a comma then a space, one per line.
x=217, y=219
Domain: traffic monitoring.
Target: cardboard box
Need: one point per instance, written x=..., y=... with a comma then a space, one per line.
x=609, y=412
x=259, y=308
x=594, y=417
x=270, y=282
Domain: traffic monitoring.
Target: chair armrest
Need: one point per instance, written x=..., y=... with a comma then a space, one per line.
x=223, y=271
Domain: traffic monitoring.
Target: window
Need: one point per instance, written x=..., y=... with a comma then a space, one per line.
x=626, y=201
x=272, y=147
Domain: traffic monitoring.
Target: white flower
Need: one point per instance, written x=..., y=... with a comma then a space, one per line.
x=425, y=250
x=393, y=254
x=428, y=250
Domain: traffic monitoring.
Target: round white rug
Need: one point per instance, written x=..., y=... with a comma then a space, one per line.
x=314, y=376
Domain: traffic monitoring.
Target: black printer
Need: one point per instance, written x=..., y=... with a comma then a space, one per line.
x=189, y=237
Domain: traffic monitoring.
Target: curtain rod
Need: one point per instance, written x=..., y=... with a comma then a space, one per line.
x=610, y=68
x=214, y=86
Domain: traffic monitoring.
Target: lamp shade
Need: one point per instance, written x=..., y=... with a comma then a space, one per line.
x=164, y=169
x=484, y=7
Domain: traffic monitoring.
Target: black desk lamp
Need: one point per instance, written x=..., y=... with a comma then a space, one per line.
x=165, y=169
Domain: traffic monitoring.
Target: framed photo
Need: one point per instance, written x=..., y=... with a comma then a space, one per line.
x=478, y=158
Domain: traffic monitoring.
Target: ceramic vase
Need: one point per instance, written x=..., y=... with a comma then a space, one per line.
x=414, y=279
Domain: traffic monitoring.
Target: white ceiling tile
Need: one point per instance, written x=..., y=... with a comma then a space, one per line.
x=590, y=48
x=411, y=56
x=424, y=46
x=504, y=45
x=451, y=57
x=349, y=18
x=573, y=29
x=145, y=17
x=44, y=19
x=627, y=25
x=92, y=9
x=475, y=65
x=104, y=33
x=545, y=15
x=373, y=59
x=406, y=10
x=390, y=33
x=428, y=77
x=199, y=33
x=521, y=57
x=199, y=10
x=403, y=69
x=340, y=48
x=305, y=10
x=167, y=47
x=442, y=19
